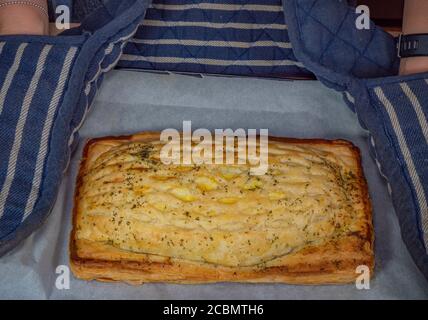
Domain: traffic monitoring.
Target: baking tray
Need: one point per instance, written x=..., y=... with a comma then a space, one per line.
x=130, y=102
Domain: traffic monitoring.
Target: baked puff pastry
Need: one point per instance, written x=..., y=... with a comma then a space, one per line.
x=307, y=220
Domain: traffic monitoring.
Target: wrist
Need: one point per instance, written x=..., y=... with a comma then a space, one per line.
x=415, y=21
x=413, y=65
x=23, y=19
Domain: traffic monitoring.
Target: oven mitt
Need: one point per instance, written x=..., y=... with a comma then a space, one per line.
x=363, y=64
x=228, y=37
x=47, y=85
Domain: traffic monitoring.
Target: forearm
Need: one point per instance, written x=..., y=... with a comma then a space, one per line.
x=24, y=19
x=415, y=20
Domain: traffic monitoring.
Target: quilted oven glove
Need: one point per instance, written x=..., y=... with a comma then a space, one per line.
x=47, y=85
x=363, y=64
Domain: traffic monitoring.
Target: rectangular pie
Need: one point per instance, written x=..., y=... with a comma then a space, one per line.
x=306, y=221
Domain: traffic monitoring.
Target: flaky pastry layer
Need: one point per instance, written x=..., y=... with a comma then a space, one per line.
x=307, y=220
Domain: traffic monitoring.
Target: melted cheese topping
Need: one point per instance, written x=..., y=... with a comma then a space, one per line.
x=219, y=214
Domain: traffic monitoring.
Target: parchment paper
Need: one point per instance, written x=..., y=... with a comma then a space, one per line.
x=136, y=101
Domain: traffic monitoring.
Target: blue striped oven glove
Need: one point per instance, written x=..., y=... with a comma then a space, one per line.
x=47, y=85
x=233, y=37
x=228, y=37
x=363, y=64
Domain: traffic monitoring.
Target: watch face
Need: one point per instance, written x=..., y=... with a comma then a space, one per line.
x=386, y=13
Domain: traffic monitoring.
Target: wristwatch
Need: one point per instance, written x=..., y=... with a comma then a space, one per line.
x=412, y=45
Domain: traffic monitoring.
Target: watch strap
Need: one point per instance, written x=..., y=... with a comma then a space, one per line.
x=413, y=45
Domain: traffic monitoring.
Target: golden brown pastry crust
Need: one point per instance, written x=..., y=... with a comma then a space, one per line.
x=332, y=262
